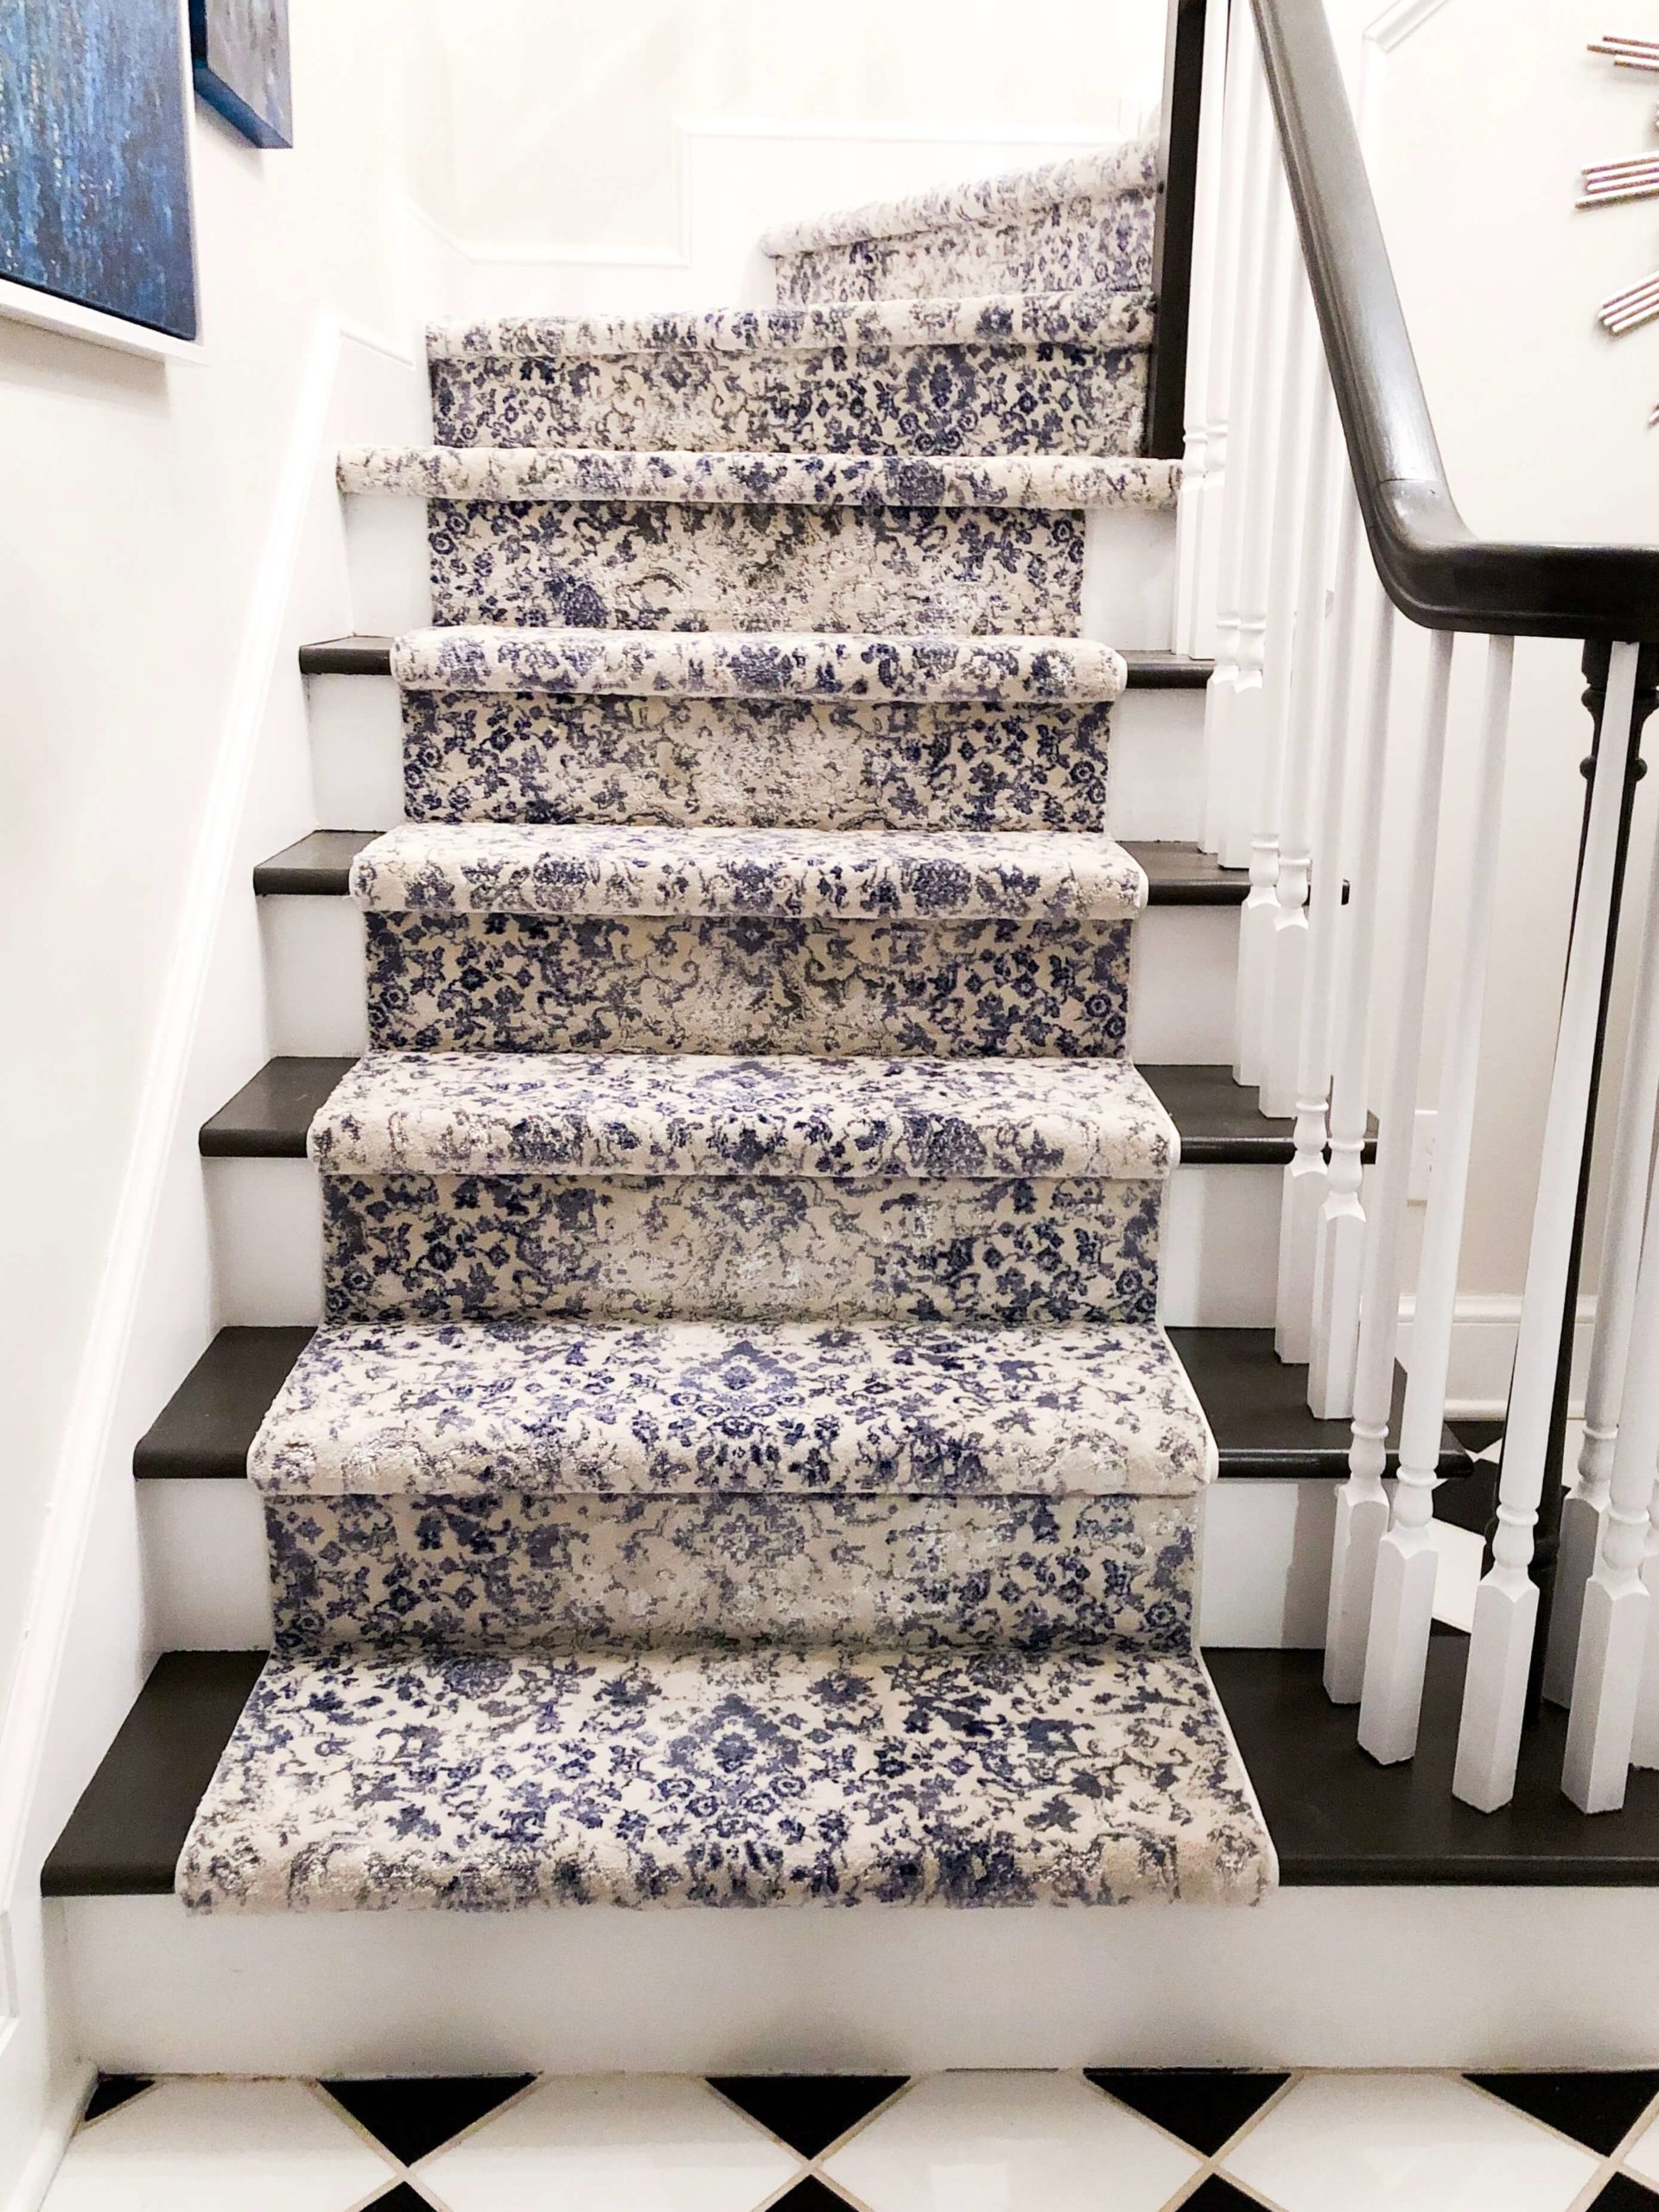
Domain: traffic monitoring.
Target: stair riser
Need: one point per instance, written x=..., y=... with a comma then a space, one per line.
x=1110, y=571
x=528, y=1572
x=714, y=983
x=1266, y=1565
x=1180, y=981
x=1065, y=247
x=595, y=565
x=152, y=1989
x=834, y=764
x=444, y=1248
x=1057, y=398
x=772, y=763
x=1216, y=1265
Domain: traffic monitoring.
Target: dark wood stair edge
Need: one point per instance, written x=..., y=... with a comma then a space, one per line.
x=1255, y=1405
x=318, y=865
x=1218, y=1121
x=372, y=656
x=1336, y=1819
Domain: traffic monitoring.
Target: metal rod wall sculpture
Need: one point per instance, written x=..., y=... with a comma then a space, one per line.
x=1609, y=181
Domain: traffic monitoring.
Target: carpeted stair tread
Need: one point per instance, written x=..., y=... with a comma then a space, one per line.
x=851, y=665
x=597, y=869
x=553, y=475
x=1093, y=315
x=469, y=1410
x=1131, y=166
x=653, y=1114
x=770, y=1776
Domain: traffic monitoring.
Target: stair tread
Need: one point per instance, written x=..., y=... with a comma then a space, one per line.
x=846, y=874
x=1178, y=875
x=767, y=1776
x=544, y=473
x=1093, y=315
x=667, y=1408
x=642, y=1114
x=1218, y=1120
x=372, y=656
x=1254, y=1404
x=1130, y=166
x=945, y=669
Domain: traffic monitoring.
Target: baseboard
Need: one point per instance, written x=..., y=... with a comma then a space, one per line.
x=1483, y=1353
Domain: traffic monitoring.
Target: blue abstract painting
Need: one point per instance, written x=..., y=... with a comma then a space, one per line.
x=95, y=157
x=240, y=52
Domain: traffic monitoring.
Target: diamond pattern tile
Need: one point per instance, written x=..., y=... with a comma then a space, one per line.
x=1203, y=2106
x=808, y=2111
x=111, y=2091
x=1599, y=2109
x=412, y=2117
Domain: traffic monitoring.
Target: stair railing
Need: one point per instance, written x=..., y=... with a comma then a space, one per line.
x=1315, y=514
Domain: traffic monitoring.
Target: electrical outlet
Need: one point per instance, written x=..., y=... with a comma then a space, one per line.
x=1422, y=1156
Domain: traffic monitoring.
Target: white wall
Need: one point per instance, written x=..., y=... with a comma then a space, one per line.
x=1478, y=121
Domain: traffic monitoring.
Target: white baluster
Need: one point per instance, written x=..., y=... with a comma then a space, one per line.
x=1340, y=1257
x=1362, y=1502
x=1402, y=1600
x=1506, y=1606
x=1586, y=1504
x=1227, y=337
x=1644, y=1748
x=1302, y=775
x=1207, y=306
x=1615, y=1604
x=1264, y=258
x=1306, y=1178
x=1264, y=713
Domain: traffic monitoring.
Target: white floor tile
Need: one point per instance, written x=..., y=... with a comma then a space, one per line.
x=210, y=2146
x=1405, y=2143
x=1010, y=2142
x=1642, y=2156
x=613, y=2143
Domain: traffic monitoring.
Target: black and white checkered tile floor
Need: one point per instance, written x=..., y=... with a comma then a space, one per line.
x=1010, y=2142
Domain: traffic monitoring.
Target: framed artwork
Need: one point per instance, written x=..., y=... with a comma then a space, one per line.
x=95, y=206
x=239, y=49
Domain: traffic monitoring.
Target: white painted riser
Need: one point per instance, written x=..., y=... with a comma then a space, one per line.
x=1218, y=1267
x=1266, y=1552
x=1128, y=572
x=1183, y=971
x=1155, y=783
x=879, y=1990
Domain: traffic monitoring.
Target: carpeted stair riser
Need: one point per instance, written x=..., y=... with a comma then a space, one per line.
x=824, y=764
x=1082, y=223
x=595, y=565
x=525, y=1571
x=444, y=1248
x=718, y=984
x=369, y=1782
x=1065, y=373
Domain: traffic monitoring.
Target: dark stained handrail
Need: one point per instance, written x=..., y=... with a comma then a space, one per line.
x=1432, y=565
x=1172, y=239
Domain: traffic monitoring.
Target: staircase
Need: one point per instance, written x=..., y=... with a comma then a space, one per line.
x=740, y=1463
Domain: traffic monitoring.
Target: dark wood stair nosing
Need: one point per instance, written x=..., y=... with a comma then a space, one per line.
x=1337, y=1818
x=1179, y=873
x=372, y=656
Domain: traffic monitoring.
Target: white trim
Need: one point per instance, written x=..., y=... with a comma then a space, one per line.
x=1483, y=1352
x=1398, y=23
x=28, y=2192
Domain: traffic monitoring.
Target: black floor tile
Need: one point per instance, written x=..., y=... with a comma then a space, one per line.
x=1599, y=2109
x=808, y=2111
x=400, y=2198
x=1204, y=2106
x=413, y=2117
x=111, y=2092
x=811, y=2195
x=1624, y=2194
x=1217, y=2195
